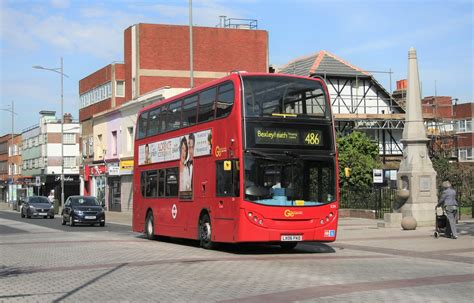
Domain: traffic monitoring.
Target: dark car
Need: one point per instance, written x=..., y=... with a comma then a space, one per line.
x=37, y=206
x=82, y=210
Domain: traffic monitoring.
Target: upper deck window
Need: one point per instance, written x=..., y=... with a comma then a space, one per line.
x=267, y=96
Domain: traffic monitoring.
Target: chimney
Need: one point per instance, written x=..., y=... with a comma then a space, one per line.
x=67, y=118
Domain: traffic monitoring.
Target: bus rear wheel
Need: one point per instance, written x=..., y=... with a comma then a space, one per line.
x=149, y=227
x=205, y=232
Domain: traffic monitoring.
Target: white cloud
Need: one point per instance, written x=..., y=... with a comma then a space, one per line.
x=96, y=30
x=61, y=4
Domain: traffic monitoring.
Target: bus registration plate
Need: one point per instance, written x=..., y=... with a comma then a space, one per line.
x=285, y=238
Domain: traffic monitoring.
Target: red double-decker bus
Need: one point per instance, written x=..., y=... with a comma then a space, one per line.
x=246, y=158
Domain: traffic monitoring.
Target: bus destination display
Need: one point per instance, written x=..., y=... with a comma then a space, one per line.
x=288, y=137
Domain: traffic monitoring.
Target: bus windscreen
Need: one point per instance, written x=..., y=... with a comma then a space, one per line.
x=288, y=181
x=267, y=96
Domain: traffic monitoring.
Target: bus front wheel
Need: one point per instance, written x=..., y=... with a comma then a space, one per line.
x=149, y=227
x=205, y=232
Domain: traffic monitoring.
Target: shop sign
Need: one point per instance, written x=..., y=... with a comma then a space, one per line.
x=67, y=178
x=126, y=167
x=113, y=169
x=97, y=170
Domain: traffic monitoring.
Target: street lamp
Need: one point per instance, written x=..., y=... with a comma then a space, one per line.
x=60, y=71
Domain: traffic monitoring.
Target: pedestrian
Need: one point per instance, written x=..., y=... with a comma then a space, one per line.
x=51, y=196
x=448, y=201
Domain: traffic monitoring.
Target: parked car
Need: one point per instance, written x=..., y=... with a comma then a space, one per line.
x=82, y=210
x=37, y=206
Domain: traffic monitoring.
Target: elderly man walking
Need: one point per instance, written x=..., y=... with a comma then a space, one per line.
x=448, y=201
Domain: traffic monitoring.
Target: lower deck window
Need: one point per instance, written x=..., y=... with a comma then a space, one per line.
x=159, y=183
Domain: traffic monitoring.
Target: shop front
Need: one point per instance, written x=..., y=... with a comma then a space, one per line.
x=113, y=182
x=97, y=180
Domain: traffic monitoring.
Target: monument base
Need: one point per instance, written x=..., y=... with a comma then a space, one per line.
x=424, y=213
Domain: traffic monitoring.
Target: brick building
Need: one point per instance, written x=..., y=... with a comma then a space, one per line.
x=463, y=121
x=4, y=167
x=156, y=63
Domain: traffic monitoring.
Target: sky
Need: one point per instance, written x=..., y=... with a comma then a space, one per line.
x=374, y=35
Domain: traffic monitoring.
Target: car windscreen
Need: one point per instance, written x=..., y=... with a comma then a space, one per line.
x=84, y=201
x=38, y=200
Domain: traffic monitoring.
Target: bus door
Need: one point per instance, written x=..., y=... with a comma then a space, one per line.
x=225, y=204
x=170, y=213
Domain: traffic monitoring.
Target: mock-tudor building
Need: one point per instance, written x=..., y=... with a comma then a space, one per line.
x=358, y=100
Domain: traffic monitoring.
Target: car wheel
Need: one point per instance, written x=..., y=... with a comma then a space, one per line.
x=51, y=217
x=102, y=224
x=63, y=220
x=149, y=227
x=205, y=232
x=71, y=221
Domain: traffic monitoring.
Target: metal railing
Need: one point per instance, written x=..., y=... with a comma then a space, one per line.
x=379, y=199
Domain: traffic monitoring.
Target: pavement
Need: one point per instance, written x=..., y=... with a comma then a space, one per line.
x=367, y=263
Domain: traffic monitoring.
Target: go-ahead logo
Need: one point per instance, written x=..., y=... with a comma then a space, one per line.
x=290, y=214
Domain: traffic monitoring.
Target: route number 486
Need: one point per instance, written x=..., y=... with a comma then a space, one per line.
x=312, y=138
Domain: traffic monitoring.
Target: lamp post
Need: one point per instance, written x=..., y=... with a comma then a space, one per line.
x=60, y=71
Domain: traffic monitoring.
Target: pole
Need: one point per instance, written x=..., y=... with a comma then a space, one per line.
x=191, y=71
x=13, y=131
x=62, y=134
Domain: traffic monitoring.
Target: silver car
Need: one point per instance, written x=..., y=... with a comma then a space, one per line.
x=37, y=206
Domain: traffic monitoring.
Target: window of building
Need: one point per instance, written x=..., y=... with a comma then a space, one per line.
x=84, y=147
x=99, y=145
x=463, y=126
x=69, y=138
x=114, y=143
x=91, y=146
x=69, y=161
x=120, y=89
x=129, y=139
x=465, y=154
x=96, y=94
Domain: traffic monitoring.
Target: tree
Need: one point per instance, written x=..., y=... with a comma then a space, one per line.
x=361, y=155
x=460, y=175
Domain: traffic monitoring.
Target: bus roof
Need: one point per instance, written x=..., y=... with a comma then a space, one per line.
x=231, y=76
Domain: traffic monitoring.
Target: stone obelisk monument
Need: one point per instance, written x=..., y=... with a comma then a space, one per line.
x=416, y=176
